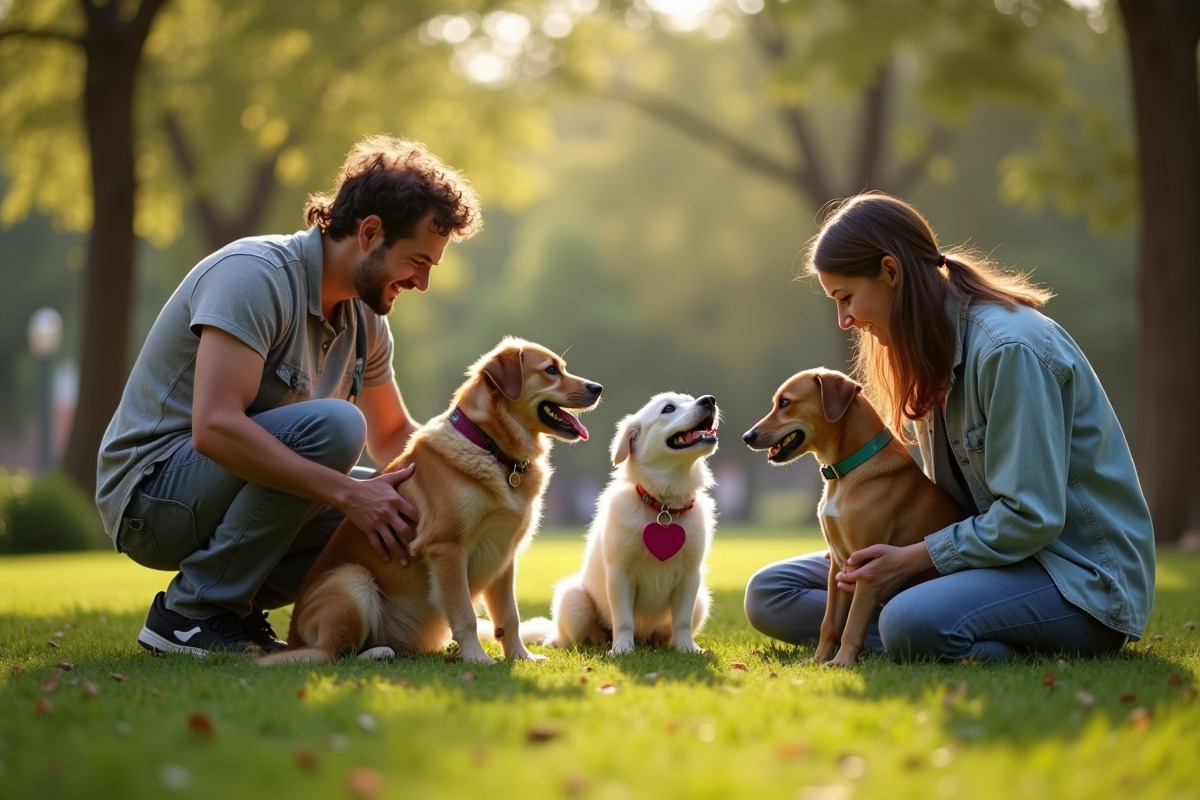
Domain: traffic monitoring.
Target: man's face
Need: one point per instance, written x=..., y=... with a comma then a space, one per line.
x=384, y=272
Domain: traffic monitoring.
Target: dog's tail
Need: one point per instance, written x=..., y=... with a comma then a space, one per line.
x=538, y=630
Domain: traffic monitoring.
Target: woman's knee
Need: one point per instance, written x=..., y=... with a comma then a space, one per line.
x=910, y=632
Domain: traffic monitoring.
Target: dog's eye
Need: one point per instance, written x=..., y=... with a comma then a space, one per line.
x=552, y=370
x=784, y=402
x=668, y=408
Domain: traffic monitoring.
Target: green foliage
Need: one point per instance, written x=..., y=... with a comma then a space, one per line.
x=45, y=514
x=85, y=713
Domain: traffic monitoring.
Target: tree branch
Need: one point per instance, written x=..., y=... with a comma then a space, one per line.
x=692, y=124
x=44, y=35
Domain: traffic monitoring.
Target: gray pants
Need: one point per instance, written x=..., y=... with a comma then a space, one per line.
x=235, y=544
x=985, y=614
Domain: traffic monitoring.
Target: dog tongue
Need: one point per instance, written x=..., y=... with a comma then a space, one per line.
x=577, y=425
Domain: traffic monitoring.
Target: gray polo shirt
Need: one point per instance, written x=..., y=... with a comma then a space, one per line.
x=266, y=291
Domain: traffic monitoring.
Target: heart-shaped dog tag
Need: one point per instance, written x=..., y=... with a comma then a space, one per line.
x=663, y=541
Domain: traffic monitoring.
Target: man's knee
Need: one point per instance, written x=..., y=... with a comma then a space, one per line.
x=332, y=432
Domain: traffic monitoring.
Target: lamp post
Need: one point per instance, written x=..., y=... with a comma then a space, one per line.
x=45, y=336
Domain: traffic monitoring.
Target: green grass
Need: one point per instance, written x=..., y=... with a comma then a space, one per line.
x=753, y=720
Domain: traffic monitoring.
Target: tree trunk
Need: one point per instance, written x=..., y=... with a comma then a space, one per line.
x=1162, y=36
x=112, y=47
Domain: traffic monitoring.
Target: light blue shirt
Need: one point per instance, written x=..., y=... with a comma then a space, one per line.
x=1047, y=465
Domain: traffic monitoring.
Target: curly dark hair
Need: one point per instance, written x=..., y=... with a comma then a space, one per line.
x=401, y=182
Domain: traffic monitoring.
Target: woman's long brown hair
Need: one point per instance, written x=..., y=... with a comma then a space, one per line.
x=909, y=379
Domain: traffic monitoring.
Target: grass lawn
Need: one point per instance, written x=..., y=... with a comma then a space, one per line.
x=86, y=713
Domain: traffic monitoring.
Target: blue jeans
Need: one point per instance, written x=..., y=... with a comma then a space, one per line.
x=984, y=614
x=234, y=544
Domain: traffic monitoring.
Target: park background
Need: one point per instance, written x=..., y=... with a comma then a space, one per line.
x=650, y=173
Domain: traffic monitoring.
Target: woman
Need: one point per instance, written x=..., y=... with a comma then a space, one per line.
x=1057, y=552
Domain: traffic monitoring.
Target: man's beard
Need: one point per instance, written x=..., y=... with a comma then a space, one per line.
x=370, y=281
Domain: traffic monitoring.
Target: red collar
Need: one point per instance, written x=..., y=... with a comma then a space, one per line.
x=460, y=423
x=651, y=501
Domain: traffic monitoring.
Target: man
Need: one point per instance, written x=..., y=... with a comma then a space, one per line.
x=229, y=458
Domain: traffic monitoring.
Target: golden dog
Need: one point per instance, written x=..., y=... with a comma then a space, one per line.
x=482, y=468
x=643, y=570
x=874, y=491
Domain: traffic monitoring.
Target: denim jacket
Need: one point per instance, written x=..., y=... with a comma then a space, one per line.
x=1046, y=463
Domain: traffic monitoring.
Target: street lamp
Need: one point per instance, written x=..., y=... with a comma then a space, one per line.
x=45, y=336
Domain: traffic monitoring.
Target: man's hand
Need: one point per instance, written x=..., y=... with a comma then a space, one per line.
x=886, y=566
x=388, y=520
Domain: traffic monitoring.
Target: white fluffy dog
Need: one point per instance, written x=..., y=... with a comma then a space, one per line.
x=643, y=568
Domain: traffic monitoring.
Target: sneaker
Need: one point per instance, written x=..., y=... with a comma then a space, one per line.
x=166, y=631
x=258, y=628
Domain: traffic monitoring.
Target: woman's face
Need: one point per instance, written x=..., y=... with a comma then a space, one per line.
x=864, y=303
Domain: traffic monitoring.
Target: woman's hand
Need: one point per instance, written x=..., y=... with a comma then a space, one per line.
x=886, y=566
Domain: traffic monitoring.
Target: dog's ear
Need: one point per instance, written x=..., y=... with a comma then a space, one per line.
x=627, y=435
x=505, y=372
x=837, y=393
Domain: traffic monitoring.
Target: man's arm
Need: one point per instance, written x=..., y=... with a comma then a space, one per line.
x=228, y=373
x=389, y=425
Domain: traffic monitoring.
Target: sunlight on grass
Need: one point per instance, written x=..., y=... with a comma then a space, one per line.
x=85, y=713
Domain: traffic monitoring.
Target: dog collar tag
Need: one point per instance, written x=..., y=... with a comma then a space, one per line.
x=663, y=541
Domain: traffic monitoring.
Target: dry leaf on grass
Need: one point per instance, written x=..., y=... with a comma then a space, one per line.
x=119, y=677
x=540, y=734
x=364, y=782
x=200, y=724
x=305, y=757
x=42, y=706
x=739, y=666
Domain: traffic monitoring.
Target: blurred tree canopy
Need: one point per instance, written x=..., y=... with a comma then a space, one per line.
x=658, y=264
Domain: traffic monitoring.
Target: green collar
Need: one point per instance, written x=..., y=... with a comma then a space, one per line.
x=843, y=467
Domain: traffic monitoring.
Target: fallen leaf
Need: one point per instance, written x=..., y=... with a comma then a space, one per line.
x=302, y=693
x=364, y=782
x=1190, y=625
x=90, y=689
x=1049, y=680
x=1128, y=697
x=119, y=677
x=467, y=677
x=42, y=706
x=65, y=666
x=367, y=722
x=305, y=757
x=50, y=684
x=1174, y=680
x=1189, y=694
x=51, y=643
x=539, y=734
x=1085, y=698
x=1140, y=718
x=17, y=669
x=739, y=665
x=792, y=750
x=1157, y=637
x=200, y=724
x=608, y=688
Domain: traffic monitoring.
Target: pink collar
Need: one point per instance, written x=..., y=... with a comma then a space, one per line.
x=460, y=423
x=650, y=500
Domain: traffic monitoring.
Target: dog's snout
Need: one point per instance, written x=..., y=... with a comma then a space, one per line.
x=595, y=388
x=707, y=400
x=750, y=436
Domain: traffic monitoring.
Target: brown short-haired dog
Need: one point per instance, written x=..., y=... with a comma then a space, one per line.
x=874, y=491
x=482, y=468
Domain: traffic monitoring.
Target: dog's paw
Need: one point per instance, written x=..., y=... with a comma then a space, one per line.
x=526, y=656
x=377, y=653
x=688, y=646
x=620, y=649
